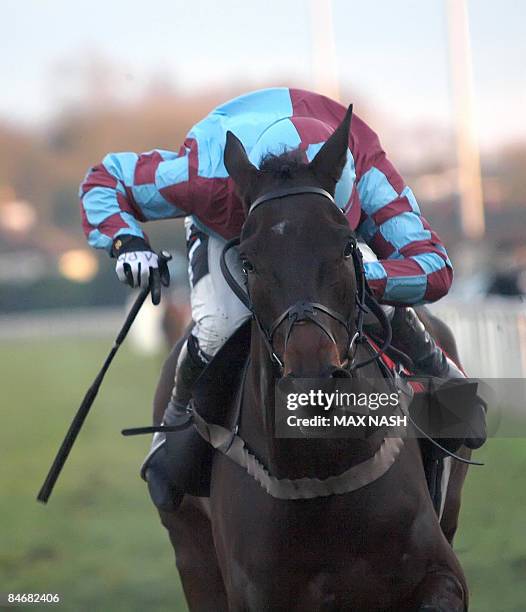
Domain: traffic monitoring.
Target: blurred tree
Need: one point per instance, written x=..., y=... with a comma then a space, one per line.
x=64, y=214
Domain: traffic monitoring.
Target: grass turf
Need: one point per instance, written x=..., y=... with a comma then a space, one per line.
x=99, y=542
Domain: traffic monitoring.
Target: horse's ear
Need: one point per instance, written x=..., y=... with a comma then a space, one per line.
x=329, y=162
x=238, y=166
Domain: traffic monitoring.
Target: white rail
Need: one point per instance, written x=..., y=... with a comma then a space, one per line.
x=491, y=336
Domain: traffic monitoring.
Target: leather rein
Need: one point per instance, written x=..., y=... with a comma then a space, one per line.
x=305, y=310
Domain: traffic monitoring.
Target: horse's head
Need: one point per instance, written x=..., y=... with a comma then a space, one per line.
x=297, y=251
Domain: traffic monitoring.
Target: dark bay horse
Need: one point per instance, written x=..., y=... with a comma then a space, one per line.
x=377, y=547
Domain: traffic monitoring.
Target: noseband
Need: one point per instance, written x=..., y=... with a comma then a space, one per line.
x=308, y=311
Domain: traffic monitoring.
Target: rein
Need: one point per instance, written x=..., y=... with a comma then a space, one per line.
x=305, y=310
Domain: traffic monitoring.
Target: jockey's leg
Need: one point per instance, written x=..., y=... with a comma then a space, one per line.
x=217, y=312
x=414, y=340
x=188, y=369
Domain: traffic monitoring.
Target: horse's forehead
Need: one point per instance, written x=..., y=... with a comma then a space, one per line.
x=281, y=227
x=284, y=213
x=290, y=219
x=291, y=230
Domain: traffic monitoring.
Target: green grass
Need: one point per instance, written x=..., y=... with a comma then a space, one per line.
x=99, y=542
x=491, y=541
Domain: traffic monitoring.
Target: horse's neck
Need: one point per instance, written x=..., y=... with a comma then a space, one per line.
x=285, y=457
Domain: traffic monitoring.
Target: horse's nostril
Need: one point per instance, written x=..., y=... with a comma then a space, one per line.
x=340, y=373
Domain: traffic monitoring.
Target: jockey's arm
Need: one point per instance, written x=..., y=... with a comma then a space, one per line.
x=126, y=189
x=413, y=266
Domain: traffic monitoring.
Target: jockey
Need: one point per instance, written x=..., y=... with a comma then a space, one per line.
x=406, y=263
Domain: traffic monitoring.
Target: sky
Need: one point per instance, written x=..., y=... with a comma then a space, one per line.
x=392, y=52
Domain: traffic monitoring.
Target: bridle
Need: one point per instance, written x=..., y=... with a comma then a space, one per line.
x=302, y=310
x=305, y=310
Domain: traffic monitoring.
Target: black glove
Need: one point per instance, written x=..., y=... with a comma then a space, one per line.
x=137, y=264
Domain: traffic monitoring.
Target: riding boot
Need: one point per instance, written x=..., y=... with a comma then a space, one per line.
x=412, y=338
x=156, y=469
x=189, y=368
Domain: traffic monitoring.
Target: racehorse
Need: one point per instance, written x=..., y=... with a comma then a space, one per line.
x=252, y=545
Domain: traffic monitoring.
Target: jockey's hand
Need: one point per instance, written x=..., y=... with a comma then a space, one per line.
x=138, y=266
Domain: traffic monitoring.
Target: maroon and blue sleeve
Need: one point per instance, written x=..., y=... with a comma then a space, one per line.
x=413, y=266
x=127, y=189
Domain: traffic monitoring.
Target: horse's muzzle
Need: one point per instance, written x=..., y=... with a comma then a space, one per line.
x=340, y=373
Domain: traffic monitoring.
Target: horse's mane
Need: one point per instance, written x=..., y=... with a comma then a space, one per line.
x=285, y=165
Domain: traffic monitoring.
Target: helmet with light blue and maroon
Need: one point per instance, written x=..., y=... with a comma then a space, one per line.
x=284, y=135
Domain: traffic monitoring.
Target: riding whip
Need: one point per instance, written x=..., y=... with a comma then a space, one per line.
x=91, y=394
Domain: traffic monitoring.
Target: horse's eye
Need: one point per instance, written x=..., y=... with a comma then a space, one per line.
x=246, y=266
x=349, y=248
